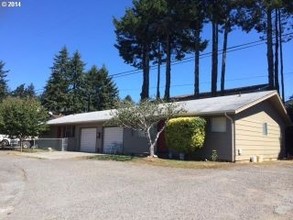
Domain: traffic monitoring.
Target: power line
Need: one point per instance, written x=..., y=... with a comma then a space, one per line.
x=191, y=84
x=191, y=58
x=202, y=56
x=206, y=82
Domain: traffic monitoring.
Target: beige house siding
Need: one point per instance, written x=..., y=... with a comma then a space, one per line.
x=250, y=139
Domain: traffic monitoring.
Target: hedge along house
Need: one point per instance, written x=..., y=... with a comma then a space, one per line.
x=86, y=132
x=238, y=128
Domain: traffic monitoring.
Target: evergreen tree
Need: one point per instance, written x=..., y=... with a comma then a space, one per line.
x=144, y=32
x=3, y=81
x=259, y=16
x=133, y=40
x=128, y=99
x=30, y=91
x=195, y=15
x=77, y=87
x=24, y=92
x=172, y=28
x=101, y=90
x=283, y=14
x=216, y=15
x=19, y=91
x=229, y=18
x=55, y=97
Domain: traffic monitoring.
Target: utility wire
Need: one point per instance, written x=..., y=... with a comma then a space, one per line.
x=191, y=58
x=205, y=82
x=202, y=56
x=190, y=84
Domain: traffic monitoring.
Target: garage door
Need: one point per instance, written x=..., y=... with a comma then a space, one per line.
x=88, y=140
x=113, y=140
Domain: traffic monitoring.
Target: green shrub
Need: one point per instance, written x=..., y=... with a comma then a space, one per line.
x=185, y=134
x=214, y=156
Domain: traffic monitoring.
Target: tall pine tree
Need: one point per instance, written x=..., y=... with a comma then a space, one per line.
x=19, y=91
x=24, y=92
x=55, y=98
x=3, y=81
x=101, y=91
x=30, y=91
x=77, y=86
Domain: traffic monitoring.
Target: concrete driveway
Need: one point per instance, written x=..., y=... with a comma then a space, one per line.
x=31, y=189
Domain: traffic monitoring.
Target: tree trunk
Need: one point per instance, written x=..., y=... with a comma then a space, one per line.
x=276, y=52
x=152, y=150
x=281, y=55
x=196, y=63
x=168, y=68
x=146, y=69
x=224, y=55
x=214, y=58
x=270, y=57
x=159, y=72
x=154, y=143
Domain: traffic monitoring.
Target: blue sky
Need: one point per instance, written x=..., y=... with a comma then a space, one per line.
x=31, y=35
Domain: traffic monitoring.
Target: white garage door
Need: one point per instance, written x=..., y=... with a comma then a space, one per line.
x=88, y=140
x=113, y=140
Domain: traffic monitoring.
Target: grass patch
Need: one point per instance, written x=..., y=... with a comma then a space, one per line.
x=182, y=163
x=163, y=162
x=33, y=150
x=112, y=157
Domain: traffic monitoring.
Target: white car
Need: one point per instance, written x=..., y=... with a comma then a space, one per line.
x=7, y=142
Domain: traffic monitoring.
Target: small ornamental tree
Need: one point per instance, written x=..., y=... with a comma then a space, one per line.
x=185, y=134
x=22, y=118
x=145, y=117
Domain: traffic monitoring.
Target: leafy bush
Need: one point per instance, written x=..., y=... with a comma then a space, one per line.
x=185, y=134
x=214, y=155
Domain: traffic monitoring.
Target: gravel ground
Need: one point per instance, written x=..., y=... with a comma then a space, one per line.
x=87, y=189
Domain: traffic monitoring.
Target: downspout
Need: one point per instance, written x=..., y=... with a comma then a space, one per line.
x=233, y=137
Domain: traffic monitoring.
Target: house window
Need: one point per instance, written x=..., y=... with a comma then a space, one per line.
x=68, y=131
x=218, y=124
x=265, y=129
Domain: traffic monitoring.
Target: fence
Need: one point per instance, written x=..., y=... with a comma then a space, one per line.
x=59, y=144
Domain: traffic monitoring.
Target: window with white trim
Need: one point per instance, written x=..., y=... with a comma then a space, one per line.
x=218, y=124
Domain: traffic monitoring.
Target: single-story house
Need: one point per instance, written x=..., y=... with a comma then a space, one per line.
x=238, y=127
x=87, y=132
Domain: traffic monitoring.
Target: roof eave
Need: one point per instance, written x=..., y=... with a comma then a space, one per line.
x=78, y=122
x=212, y=113
x=255, y=102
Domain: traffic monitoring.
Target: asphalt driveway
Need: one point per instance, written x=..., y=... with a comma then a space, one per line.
x=33, y=188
